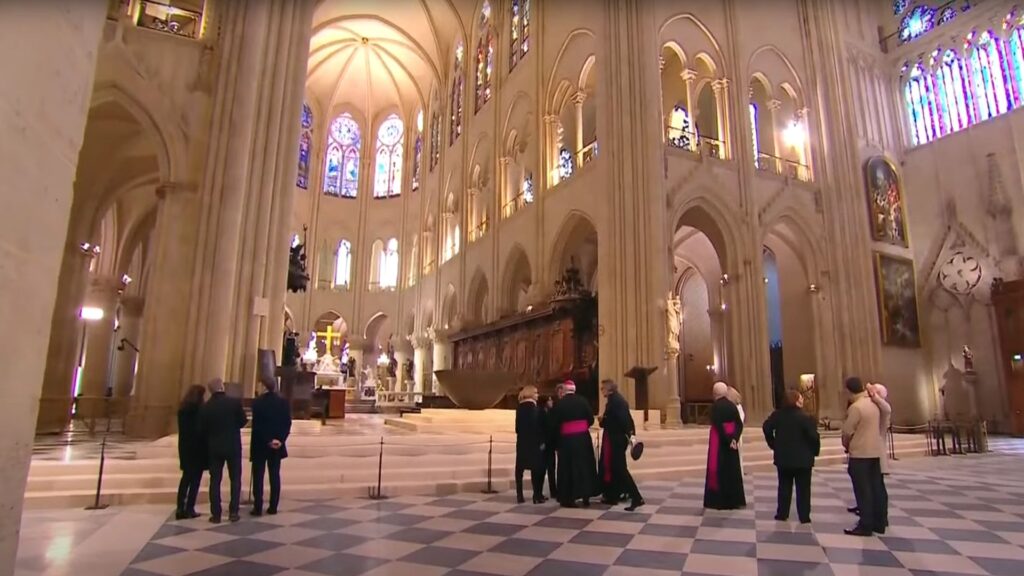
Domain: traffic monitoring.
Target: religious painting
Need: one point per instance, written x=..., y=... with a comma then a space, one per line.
x=897, y=301
x=885, y=203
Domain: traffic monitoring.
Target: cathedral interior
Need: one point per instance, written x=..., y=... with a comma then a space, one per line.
x=774, y=194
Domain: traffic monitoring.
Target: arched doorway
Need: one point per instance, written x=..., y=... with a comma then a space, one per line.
x=700, y=258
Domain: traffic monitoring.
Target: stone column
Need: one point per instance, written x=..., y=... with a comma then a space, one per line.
x=160, y=378
x=443, y=350
x=777, y=144
x=65, y=345
x=421, y=362
x=356, y=348
x=577, y=101
x=689, y=76
x=132, y=308
x=403, y=350
x=102, y=294
x=50, y=48
x=550, y=168
x=721, y=88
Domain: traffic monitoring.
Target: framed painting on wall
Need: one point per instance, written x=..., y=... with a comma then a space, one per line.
x=897, y=301
x=885, y=202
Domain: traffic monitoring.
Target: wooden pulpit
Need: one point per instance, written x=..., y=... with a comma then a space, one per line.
x=639, y=375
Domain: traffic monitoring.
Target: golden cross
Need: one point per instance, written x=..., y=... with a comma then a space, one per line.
x=330, y=335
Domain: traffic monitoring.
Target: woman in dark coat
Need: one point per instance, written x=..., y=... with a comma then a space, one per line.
x=723, y=487
x=529, y=445
x=191, y=452
x=792, y=434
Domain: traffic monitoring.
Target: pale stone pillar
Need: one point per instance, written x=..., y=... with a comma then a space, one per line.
x=50, y=48
x=65, y=345
x=421, y=362
x=773, y=117
x=443, y=350
x=721, y=88
x=132, y=308
x=403, y=350
x=551, y=150
x=689, y=77
x=99, y=341
x=577, y=101
x=160, y=379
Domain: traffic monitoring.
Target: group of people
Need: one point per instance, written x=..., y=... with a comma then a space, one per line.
x=209, y=438
x=553, y=439
x=792, y=434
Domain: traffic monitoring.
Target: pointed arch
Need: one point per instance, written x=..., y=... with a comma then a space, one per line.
x=517, y=278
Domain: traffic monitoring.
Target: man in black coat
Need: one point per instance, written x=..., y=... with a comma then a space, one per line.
x=619, y=429
x=221, y=420
x=793, y=436
x=572, y=417
x=271, y=424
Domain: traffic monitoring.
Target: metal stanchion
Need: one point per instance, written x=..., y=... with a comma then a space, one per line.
x=892, y=446
x=103, y=458
x=378, y=494
x=490, y=456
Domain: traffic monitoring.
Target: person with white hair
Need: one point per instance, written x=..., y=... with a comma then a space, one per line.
x=879, y=395
x=572, y=417
x=723, y=486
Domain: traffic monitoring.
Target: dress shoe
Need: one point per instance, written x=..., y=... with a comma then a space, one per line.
x=234, y=517
x=853, y=510
x=180, y=515
x=193, y=514
x=880, y=531
x=805, y=520
x=608, y=502
x=520, y=500
x=539, y=499
x=272, y=511
x=634, y=505
x=781, y=518
x=256, y=512
x=214, y=519
x=586, y=502
x=858, y=531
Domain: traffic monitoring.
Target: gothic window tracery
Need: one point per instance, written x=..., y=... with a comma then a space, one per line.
x=388, y=175
x=341, y=172
x=484, y=57
x=520, y=31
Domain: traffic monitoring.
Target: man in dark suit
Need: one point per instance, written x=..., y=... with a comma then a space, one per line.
x=792, y=434
x=221, y=420
x=271, y=424
x=619, y=430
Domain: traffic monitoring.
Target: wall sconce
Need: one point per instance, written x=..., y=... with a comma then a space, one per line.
x=89, y=249
x=725, y=280
x=711, y=369
x=91, y=313
x=723, y=306
x=765, y=279
x=813, y=288
x=126, y=280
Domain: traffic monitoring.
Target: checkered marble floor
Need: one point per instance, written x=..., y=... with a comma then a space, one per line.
x=952, y=515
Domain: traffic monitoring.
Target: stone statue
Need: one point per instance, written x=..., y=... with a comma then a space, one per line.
x=968, y=359
x=673, y=310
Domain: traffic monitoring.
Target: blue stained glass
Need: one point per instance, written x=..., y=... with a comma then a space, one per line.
x=899, y=6
x=1017, y=61
x=528, y=188
x=307, y=117
x=565, y=164
x=919, y=21
x=388, y=176
x=948, y=14
x=417, y=162
x=302, y=177
x=341, y=176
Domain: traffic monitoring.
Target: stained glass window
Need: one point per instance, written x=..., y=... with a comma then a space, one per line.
x=899, y=7
x=387, y=179
x=341, y=172
x=919, y=21
x=565, y=164
x=435, y=137
x=753, y=132
x=389, y=265
x=919, y=100
x=343, y=264
x=952, y=88
x=484, y=57
x=520, y=25
x=947, y=15
x=458, y=89
x=305, y=145
x=680, y=128
x=1016, y=58
x=417, y=151
x=990, y=77
x=528, y=188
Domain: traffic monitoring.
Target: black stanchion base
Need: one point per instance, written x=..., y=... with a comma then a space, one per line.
x=98, y=507
x=374, y=494
x=489, y=491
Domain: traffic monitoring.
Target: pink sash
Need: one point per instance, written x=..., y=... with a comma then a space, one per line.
x=730, y=429
x=575, y=427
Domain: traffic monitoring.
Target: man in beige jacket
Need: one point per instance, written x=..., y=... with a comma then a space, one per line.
x=863, y=442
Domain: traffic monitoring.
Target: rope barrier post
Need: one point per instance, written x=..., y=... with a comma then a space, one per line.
x=103, y=459
x=377, y=493
x=490, y=456
x=892, y=445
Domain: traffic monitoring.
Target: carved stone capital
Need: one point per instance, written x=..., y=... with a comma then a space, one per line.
x=579, y=98
x=688, y=75
x=774, y=105
x=166, y=189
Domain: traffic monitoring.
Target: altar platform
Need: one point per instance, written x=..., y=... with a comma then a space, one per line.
x=340, y=459
x=441, y=421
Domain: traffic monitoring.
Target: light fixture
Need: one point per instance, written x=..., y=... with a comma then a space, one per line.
x=813, y=288
x=89, y=249
x=724, y=280
x=794, y=135
x=723, y=306
x=765, y=279
x=126, y=280
x=90, y=313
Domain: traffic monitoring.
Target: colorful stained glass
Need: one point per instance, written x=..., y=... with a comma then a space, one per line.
x=1016, y=58
x=953, y=92
x=307, y=117
x=565, y=164
x=919, y=98
x=919, y=21
x=435, y=137
x=341, y=173
x=484, y=57
x=680, y=129
x=899, y=7
x=305, y=146
x=528, y=188
x=458, y=89
x=519, y=23
x=989, y=77
x=948, y=14
x=387, y=180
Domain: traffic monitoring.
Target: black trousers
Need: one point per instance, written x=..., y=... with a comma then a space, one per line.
x=234, y=464
x=550, y=468
x=259, y=466
x=188, y=489
x=536, y=479
x=802, y=478
x=869, y=490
